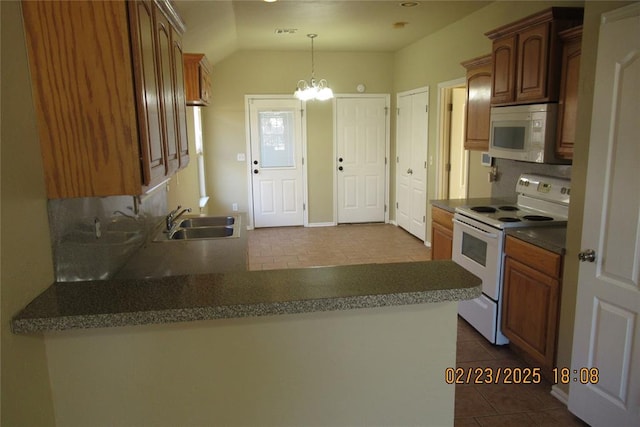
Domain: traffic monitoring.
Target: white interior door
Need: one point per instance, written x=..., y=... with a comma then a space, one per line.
x=361, y=141
x=276, y=135
x=411, y=161
x=605, y=376
x=458, y=156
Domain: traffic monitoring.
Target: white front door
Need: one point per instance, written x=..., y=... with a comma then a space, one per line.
x=361, y=145
x=411, y=161
x=605, y=371
x=276, y=135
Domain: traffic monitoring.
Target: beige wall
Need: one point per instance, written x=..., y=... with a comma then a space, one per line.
x=26, y=249
x=372, y=366
x=263, y=73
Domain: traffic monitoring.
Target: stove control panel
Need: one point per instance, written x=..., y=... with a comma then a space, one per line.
x=546, y=187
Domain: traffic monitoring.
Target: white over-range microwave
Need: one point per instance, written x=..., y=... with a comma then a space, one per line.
x=524, y=132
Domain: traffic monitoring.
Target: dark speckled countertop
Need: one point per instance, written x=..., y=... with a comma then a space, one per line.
x=127, y=302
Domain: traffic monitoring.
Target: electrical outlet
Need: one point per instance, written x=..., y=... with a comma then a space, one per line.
x=234, y=207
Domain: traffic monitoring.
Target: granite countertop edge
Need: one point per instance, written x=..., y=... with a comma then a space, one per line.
x=91, y=305
x=25, y=326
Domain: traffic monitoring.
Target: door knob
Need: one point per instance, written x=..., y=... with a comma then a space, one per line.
x=255, y=171
x=255, y=162
x=410, y=171
x=340, y=159
x=588, y=255
x=340, y=168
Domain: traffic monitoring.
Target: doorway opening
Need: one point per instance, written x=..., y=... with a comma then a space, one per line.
x=452, y=170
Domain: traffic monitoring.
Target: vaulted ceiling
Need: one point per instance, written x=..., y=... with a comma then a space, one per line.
x=218, y=28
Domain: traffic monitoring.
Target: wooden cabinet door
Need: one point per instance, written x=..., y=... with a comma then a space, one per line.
x=503, y=70
x=530, y=310
x=165, y=74
x=180, y=101
x=532, y=63
x=478, y=108
x=441, y=242
x=568, y=100
x=154, y=166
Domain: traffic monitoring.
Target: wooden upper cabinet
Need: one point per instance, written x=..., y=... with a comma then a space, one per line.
x=526, y=56
x=503, y=70
x=532, y=64
x=478, y=105
x=143, y=38
x=568, y=101
x=180, y=100
x=197, y=76
x=100, y=100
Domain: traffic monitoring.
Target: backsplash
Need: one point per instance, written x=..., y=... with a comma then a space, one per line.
x=93, y=237
x=509, y=171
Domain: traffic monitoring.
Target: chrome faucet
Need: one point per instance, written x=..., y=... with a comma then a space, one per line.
x=172, y=217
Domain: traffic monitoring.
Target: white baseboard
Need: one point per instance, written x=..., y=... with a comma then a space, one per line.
x=321, y=224
x=560, y=394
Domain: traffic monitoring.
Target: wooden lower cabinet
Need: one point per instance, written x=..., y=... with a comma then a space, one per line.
x=531, y=301
x=441, y=234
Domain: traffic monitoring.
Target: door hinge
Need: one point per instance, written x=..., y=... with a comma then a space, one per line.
x=302, y=112
x=385, y=161
x=450, y=107
x=426, y=108
x=303, y=160
x=386, y=111
x=304, y=206
x=397, y=205
x=398, y=111
x=425, y=164
x=397, y=159
x=447, y=167
x=424, y=219
x=385, y=208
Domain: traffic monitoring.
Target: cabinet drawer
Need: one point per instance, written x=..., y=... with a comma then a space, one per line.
x=535, y=257
x=442, y=217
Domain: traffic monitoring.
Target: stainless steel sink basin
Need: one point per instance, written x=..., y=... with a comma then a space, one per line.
x=207, y=221
x=201, y=233
x=202, y=228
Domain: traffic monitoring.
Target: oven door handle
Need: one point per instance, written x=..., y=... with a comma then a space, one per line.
x=484, y=233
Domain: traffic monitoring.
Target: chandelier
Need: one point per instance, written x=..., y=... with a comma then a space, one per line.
x=314, y=89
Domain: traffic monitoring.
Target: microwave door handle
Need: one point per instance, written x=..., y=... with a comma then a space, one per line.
x=484, y=233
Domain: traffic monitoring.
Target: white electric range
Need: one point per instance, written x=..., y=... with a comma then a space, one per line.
x=478, y=242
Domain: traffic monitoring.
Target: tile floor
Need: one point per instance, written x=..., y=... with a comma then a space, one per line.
x=475, y=405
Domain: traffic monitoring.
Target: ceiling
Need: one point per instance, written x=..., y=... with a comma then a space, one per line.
x=218, y=28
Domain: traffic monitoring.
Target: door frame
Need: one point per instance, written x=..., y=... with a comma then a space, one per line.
x=247, y=124
x=443, y=135
x=387, y=148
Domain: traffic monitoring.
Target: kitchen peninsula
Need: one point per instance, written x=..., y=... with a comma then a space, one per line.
x=346, y=345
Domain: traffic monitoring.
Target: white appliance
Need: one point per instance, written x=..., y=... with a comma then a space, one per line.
x=478, y=241
x=524, y=132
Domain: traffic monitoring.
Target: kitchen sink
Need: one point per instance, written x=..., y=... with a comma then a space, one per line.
x=202, y=233
x=207, y=221
x=202, y=228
